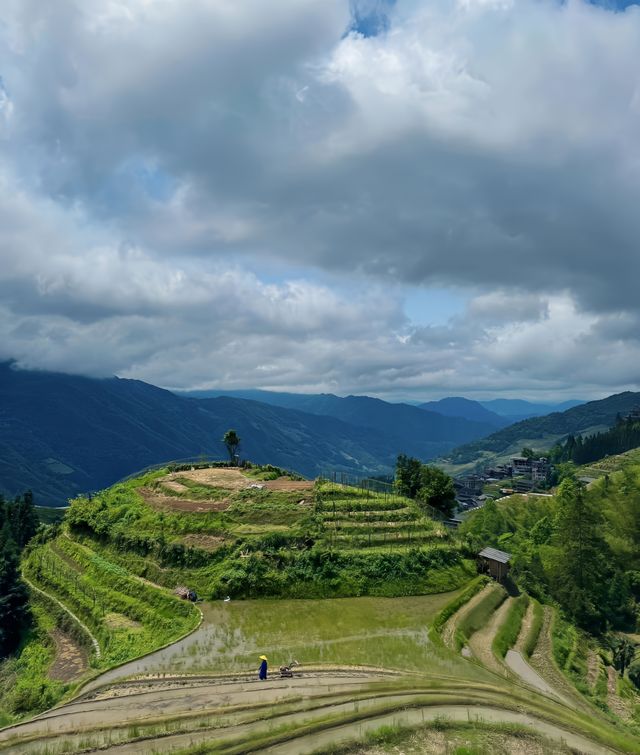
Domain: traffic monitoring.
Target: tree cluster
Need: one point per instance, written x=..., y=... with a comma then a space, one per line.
x=18, y=524
x=426, y=484
x=623, y=436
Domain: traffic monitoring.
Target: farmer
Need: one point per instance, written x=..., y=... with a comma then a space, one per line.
x=262, y=673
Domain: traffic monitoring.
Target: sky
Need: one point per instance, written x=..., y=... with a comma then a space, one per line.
x=404, y=199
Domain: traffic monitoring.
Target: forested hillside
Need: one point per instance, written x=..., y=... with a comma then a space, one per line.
x=61, y=435
x=547, y=430
x=18, y=523
x=623, y=436
x=580, y=548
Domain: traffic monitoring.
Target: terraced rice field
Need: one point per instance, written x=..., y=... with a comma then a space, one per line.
x=364, y=663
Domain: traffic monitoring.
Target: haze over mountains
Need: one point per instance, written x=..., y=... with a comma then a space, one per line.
x=61, y=434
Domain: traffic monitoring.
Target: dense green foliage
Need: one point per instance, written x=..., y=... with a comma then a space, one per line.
x=580, y=548
x=426, y=484
x=623, y=436
x=336, y=540
x=18, y=523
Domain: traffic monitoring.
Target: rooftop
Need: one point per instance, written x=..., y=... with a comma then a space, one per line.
x=496, y=555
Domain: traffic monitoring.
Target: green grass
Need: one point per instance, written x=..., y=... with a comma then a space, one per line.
x=24, y=683
x=531, y=640
x=456, y=604
x=93, y=586
x=509, y=630
x=478, y=616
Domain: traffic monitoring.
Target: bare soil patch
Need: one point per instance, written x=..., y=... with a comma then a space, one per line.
x=177, y=487
x=120, y=621
x=71, y=659
x=203, y=542
x=282, y=483
x=231, y=479
x=593, y=669
x=162, y=502
x=614, y=701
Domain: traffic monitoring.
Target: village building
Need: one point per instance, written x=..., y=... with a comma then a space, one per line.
x=495, y=563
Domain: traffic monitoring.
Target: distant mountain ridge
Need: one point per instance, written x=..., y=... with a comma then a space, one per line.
x=456, y=406
x=515, y=409
x=62, y=434
x=543, y=432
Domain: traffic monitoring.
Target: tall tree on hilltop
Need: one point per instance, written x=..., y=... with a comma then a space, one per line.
x=232, y=442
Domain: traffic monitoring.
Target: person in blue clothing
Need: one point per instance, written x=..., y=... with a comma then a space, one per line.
x=262, y=673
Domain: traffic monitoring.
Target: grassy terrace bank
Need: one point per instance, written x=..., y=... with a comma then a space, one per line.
x=263, y=533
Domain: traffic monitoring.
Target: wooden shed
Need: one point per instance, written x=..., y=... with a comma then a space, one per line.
x=495, y=563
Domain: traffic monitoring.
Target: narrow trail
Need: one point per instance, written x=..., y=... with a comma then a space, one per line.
x=481, y=642
x=516, y=662
x=542, y=661
x=614, y=701
x=451, y=627
x=344, y=734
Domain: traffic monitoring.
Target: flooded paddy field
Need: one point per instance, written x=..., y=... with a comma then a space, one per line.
x=390, y=633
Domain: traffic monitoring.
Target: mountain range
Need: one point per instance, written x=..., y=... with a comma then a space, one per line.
x=61, y=435
x=542, y=432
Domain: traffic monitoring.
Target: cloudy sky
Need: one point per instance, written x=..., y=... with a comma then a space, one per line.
x=408, y=199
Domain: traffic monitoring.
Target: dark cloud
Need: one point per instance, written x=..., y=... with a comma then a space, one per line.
x=153, y=154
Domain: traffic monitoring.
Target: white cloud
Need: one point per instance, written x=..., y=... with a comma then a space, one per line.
x=198, y=192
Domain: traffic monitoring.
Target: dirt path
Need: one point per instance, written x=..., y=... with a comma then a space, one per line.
x=451, y=627
x=542, y=661
x=70, y=661
x=414, y=717
x=480, y=643
x=530, y=676
x=614, y=701
x=216, y=711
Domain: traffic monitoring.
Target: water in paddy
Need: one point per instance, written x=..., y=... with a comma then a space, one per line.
x=390, y=633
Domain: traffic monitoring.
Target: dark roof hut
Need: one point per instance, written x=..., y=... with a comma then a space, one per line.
x=495, y=563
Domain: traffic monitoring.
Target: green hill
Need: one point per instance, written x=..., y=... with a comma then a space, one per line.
x=541, y=432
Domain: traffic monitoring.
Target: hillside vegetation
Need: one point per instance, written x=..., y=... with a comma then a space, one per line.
x=240, y=533
x=543, y=432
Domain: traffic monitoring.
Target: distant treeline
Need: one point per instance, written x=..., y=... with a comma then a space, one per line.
x=623, y=436
x=18, y=524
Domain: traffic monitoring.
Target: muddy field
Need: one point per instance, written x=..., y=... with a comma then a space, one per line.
x=70, y=660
